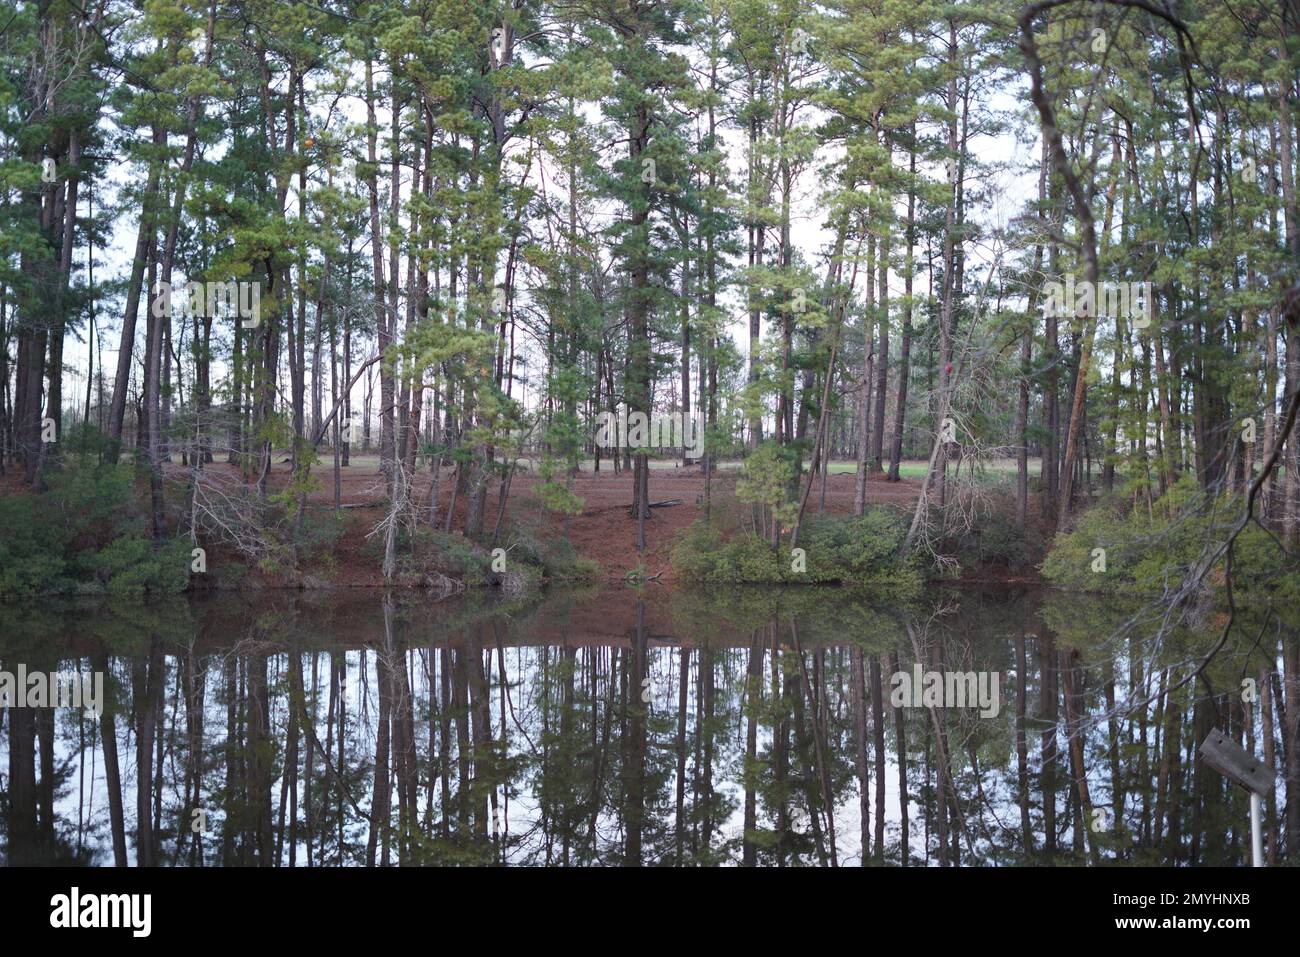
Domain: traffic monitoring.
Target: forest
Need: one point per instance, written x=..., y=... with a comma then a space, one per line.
x=1017, y=261
x=469, y=303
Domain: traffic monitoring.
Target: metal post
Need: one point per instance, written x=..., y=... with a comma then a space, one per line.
x=1256, y=832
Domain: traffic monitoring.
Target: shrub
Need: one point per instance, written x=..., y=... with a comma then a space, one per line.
x=132, y=565
x=1145, y=553
x=860, y=551
x=996, y=537
x=320, y=533
x=85, y=535
x=31, y=555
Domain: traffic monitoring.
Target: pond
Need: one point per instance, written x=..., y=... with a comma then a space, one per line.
x=619, y=726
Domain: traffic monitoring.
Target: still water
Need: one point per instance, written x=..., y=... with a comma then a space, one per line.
x=654, y=726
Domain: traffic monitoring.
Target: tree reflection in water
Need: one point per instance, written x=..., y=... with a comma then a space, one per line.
x=635, y=727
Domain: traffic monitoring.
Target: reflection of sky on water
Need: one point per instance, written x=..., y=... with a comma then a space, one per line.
x=960, y=631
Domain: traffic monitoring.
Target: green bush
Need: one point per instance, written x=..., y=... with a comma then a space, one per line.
x=132, y=565
x=31, y=555
x=556, y=558
x=1146, y=553
x=996, y=537
x=452, y=555
x=752, y=559
x=863, y=547
x=860, y=551
x=85, y=535
x=319, y=534
x=459, y=558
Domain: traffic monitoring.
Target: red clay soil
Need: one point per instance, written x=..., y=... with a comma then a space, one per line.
x=604, y=531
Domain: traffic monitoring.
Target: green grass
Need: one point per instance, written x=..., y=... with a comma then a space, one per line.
x=915, y=468
x=905, y=469
x=910, y=468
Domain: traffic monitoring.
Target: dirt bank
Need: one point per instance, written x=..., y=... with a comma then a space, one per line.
x=604, y=531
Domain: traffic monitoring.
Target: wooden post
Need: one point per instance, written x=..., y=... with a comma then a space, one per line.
x=1243, y=770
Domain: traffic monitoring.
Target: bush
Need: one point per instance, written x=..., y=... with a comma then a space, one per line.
x=997, y=538
x=556, y=558
x=460, y=558
x=862, y=547
x=860, y=551
x=85, y=535
x=435, y=550
x=1147, y=553
x=319, y=535
x=132, y=565
x=31, y=555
